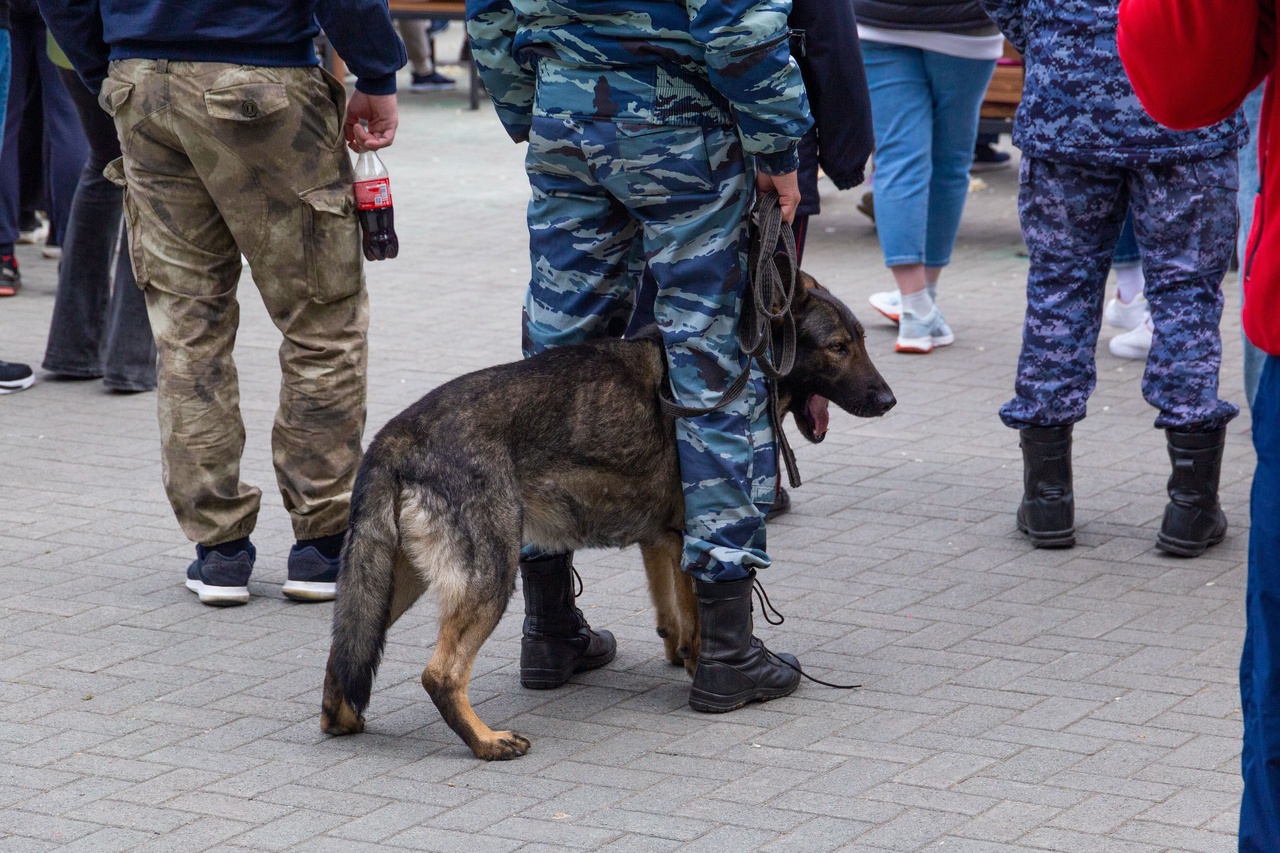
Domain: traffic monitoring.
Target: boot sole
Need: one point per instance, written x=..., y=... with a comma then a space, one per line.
x=709, y=703
x=550, y=679
x=1049, y=539
x=1183, y=548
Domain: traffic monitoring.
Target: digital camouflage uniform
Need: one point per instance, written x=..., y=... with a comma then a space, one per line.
x=222, y=159
x=643, y=119
x=1089, y=150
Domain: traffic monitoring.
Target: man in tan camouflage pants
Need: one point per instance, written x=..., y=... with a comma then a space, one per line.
x=223, y=158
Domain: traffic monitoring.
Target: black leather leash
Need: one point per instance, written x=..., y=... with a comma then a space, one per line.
x=772, y=281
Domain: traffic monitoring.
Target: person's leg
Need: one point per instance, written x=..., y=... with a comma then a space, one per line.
x=1260, y=659
x=1071, y=218
x=129, y=358
x=1184, y=218
x=22, y=70
x=76, y=332
x=1249, y=187
x=66, y=147
x=188, y=262
x=413, y=32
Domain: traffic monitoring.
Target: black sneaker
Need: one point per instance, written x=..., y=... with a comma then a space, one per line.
x=221, y=581
x=433, y=82
x=312, y=575
x=15, y=377
x=10, y=279
x=987, y=159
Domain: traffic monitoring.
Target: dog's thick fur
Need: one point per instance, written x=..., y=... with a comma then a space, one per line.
x=565, y=450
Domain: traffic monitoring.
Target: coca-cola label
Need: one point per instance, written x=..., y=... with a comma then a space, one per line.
x=373, y=194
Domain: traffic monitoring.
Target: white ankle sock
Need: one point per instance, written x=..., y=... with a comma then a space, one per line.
x=1129, y=283
x=919, y=304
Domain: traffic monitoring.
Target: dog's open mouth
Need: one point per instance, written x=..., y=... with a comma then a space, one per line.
x=813, y=418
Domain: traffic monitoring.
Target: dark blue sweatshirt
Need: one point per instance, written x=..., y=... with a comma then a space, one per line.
x=246, y=32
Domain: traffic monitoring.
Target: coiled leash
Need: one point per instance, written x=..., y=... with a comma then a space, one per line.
x=771, y=281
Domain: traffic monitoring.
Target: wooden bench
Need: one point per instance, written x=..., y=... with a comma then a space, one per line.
x=450, y=10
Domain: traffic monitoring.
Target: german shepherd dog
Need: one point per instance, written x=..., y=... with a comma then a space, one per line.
x=566, y=450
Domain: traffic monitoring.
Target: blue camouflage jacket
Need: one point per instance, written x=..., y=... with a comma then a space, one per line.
x=1077, y=103
x=700, y=61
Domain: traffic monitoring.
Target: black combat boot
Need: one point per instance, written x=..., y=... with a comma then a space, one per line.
x=1193, y=520
x=557, y=640
x=1047, y=513
x=734, y=667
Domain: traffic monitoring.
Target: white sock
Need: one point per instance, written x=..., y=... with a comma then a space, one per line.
x=919, y=304
x=1129, y=283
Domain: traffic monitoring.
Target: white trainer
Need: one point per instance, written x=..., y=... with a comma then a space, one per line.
x=921, y=334
x=888, y=303
x=1135, y=343
x=1125, y=316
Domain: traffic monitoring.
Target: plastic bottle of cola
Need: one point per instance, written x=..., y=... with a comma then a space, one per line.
x=373, y=205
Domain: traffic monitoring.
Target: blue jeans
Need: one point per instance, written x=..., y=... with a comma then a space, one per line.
x=1260, y=661
x=1127, y=253
x=64, y=140
x=1249, y=187
x=924, y=107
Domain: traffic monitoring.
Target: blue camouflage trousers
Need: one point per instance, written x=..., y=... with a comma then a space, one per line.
x=1185, y=220
x=611, y=199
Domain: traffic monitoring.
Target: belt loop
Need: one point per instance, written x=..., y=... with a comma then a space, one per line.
x=162, y=66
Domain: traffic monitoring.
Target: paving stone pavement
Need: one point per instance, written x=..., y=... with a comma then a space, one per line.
x=1012, y=699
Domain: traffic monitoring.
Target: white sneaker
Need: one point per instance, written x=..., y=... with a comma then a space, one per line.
x=1125, y=316
x=888, y=303
x=1135, y=343
x=921, y=334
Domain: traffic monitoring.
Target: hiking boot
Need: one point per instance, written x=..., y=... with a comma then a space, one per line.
x=921, y=334
x=221, y=581
x=1135, y=343
x=734, y=667
x=1127, y=316
x=15, y=377
x=557, y=641
x=1048, y=510
x=312, y=575
x=10, y=278
x=1194, y=519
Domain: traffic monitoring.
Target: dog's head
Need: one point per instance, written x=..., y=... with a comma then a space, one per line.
x=831, y=364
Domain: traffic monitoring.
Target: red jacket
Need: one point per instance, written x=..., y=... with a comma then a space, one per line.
x=1192, y=63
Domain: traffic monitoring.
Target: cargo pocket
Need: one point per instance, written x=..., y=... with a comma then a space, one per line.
x=331, y=235
x=246, y=101
x=659, y=161
x=114, y=172
x=113, y=95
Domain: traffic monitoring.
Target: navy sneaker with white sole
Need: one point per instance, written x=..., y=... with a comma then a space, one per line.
x=312, y=575
x=221, y=581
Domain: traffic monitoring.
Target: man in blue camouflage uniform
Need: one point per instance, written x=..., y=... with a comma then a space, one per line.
x=1089, y=150
x=647, y=121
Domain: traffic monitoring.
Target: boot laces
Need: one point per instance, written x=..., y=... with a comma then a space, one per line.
x=766, y=606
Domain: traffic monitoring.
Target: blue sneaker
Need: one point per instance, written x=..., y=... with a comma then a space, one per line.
x=922, y=334
x=221, y=581
x=312, y=575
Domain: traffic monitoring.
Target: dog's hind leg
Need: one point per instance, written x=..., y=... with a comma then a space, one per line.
x=463, y=629
x=662, y=566
x=690, y=645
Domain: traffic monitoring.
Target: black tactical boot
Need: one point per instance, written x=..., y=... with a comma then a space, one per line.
x=1047, y=513
x=1193, y=520
x=557, y=640
x=734, y=667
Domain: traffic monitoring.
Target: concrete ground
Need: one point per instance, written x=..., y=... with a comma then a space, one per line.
x=1012, y=699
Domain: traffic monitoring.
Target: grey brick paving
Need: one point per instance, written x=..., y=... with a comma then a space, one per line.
x=1080, y=700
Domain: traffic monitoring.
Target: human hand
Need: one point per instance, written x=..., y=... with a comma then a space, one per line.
x=379, y=112
x=787, y=186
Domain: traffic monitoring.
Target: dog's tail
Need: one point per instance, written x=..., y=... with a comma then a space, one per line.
x=362, y=611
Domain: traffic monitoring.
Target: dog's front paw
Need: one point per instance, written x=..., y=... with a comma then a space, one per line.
x=503, y=746
x=344, y=721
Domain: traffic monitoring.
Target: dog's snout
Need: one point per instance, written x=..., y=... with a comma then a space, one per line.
x=884, y=400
